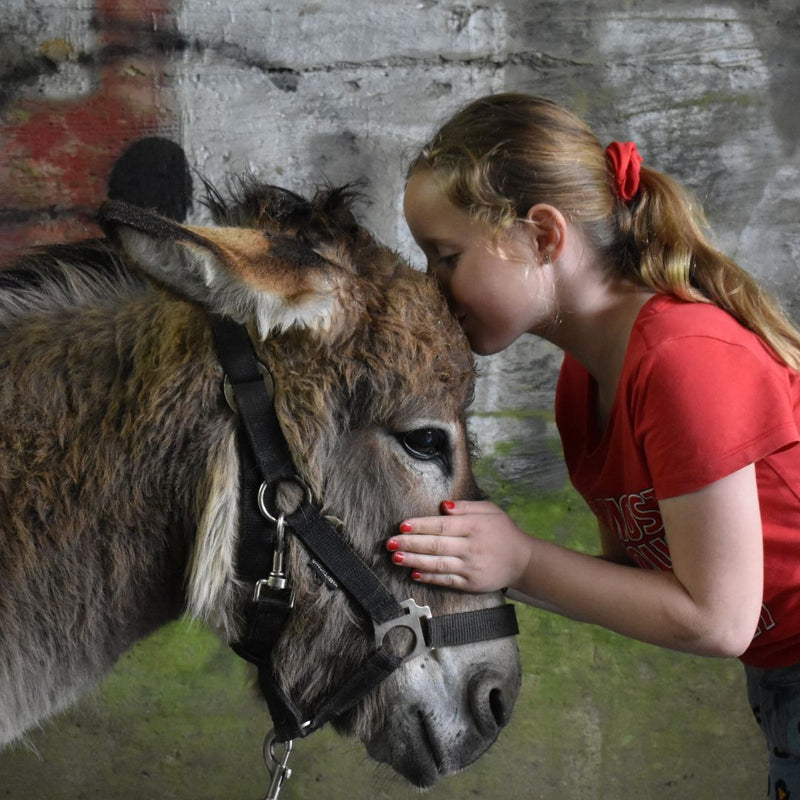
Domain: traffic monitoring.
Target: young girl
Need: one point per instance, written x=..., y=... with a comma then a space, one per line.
x=677, y=403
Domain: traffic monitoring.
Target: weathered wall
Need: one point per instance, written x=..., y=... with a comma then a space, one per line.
x=299, y=92
x=341, y=90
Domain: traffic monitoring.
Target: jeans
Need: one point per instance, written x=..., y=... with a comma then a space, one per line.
x=774, y=696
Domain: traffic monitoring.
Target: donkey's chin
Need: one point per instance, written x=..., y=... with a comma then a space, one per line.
x=422, y=751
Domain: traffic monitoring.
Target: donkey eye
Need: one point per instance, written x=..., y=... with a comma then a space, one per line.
x=426, y=444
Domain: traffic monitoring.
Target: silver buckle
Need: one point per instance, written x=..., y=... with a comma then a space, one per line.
x=230, y=394
x=412, y=620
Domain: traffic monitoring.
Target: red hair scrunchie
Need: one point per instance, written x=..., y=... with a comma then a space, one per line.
x=625, y=161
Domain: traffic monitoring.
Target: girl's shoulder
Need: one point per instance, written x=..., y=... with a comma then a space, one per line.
x=666, y=322
x=664, y=316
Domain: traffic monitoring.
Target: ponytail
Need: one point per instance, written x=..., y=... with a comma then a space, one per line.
x=663, y=242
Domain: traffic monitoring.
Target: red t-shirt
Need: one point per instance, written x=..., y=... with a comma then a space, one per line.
x=699, y=398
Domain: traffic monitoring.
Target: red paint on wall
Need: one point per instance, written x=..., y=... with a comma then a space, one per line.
x=57, y=154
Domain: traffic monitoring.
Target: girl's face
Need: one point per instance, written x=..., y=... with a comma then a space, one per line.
x=495, y=297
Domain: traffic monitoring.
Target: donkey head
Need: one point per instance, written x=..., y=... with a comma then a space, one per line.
x=372, y=380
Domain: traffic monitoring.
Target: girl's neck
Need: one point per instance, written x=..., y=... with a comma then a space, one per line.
x=593, y=324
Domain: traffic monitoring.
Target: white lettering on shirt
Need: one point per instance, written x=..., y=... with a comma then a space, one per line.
x=636, y=521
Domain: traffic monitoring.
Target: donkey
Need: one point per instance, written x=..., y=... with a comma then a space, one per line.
x=119, y=459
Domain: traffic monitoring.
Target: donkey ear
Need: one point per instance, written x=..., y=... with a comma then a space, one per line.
x=235, y=272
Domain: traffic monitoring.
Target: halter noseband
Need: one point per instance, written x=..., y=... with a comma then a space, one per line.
x=265, y=464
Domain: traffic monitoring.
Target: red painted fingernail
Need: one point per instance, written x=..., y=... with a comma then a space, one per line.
x=398, y=558
x=405, y=527
x=448, y=505
x=392, y=545
x=415, y=575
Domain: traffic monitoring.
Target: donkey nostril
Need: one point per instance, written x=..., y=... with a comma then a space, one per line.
x=489, y=704
x=498, y=707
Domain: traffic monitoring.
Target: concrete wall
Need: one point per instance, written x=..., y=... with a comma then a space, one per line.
x=138, y=94
x=342, y=90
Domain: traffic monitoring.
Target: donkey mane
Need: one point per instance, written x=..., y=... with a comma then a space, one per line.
x=253, y=204
x=64, y=277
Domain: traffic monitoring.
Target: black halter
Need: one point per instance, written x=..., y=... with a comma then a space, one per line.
x=265, y=463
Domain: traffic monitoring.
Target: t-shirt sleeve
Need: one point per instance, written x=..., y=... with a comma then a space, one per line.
x=705, y=408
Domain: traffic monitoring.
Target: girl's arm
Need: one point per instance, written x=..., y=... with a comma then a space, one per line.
x=610, y=550
x=709, y=604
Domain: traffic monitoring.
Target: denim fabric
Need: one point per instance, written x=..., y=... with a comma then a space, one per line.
x=774, y=696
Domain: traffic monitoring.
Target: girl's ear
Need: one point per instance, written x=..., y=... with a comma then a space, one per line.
x=548, y=230
x=276, y=281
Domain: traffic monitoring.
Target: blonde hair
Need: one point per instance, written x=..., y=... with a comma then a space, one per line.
x=504, y=153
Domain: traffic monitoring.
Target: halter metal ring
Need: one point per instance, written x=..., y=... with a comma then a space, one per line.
x=230, y=394
x=274, y=516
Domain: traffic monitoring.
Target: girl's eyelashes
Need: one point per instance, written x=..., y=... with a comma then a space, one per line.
x=442, y=264
x=449, y=261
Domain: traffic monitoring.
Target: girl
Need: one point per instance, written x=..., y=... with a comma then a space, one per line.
x=677, y=403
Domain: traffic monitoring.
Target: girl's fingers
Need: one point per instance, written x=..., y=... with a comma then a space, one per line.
x=426, y=545
x=449, y=581
x=439, y=565
x=439, y=550
x=449, y=523
x=460, y=507
x=434, y=526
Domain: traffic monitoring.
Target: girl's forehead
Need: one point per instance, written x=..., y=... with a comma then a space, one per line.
x=425, y=186
x=427, y=207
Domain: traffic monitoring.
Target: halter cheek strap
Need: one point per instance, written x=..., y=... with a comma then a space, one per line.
x=625, y=163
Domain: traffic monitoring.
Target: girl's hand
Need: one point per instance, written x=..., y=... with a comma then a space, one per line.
x=474, y=547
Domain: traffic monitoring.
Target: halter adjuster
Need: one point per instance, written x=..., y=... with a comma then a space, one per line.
x=412, y=621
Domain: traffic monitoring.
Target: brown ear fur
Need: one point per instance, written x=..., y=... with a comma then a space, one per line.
x=276, y=281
